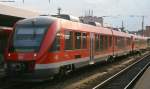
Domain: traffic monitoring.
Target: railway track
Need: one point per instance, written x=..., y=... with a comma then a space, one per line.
x=126, y=77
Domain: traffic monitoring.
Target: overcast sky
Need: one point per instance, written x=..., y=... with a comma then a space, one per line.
x=118, y=10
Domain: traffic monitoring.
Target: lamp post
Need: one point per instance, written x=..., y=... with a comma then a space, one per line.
x=59, y=10
x=142, y=25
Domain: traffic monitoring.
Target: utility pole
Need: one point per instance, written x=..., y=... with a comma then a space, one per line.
x=49, y=1
x=59, y=9
x=142, y=25
x=122, y=26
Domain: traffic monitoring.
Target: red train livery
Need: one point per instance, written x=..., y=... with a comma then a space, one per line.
x=44, y=46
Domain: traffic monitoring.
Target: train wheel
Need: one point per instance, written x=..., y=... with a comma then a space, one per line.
x=139, y=53
x=110, y=59
x=65, y=70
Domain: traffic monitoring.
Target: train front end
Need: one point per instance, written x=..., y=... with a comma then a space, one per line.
x=28, y=47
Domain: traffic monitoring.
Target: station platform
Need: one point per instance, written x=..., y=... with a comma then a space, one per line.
x=144, y=81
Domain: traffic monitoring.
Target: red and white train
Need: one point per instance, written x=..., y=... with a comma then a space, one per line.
x=44, y=46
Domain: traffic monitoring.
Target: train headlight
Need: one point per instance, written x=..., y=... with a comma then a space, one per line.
x=35, y=54
x=8, y=54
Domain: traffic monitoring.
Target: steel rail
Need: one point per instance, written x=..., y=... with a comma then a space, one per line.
x=117, y=74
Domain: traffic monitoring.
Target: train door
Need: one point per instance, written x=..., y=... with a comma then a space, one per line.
x=91, y=48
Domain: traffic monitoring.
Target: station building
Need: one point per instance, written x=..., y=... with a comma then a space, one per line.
x=8, y=16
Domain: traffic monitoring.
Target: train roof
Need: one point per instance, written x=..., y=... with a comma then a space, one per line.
x=121, y=34
x=86, y=27
x=70, y=25
x=139, y=37
x=68, y=17
x=40, y=20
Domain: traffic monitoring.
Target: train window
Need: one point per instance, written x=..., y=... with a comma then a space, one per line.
x=56, y=43
x=68, y=40
x=77, y=40
x=116, y=41
x=120, y=42
x=101, y=42
x=128, y=41
x=123, y=42
x=97, y=42
x=110, y=41
x=84, y=40
x=106, y=42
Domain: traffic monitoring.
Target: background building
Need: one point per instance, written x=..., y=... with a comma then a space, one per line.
x=89, y=19
x=147, y=31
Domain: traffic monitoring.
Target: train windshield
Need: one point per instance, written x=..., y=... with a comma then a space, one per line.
x=28, y=38
x=29, y=33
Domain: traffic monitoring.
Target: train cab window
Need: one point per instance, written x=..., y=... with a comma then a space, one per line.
x=96, y=42
x=101, y=42
x=56, y=43
x=84, y=40
x=77, y=40
x=68, y=40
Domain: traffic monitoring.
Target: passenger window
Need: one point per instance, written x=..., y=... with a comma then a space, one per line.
x=56, y=43
x=110, y=41
x=77, y=40
x=97, y=42
x=116, y=41
x=120, y=42
x=101, y=42
x=68, y=40
x=106, y=42
x=84, y=40
x=128, y=41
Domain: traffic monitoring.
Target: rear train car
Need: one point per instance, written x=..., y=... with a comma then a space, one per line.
x=139, y=43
